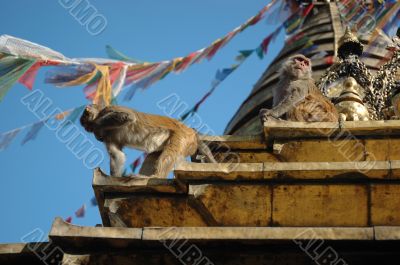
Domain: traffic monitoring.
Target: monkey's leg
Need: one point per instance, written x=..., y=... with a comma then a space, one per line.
x=168, y=157
x=205, y=150
x=117, y=160
x=148, y=166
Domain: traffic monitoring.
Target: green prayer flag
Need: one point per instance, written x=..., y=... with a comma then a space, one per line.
x=11, y=69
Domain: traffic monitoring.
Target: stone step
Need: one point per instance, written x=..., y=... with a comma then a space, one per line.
x=71, y=244
x=330, y=130
x=63, y=234
x=274, y=194
x=285, y=141
x=294, y=171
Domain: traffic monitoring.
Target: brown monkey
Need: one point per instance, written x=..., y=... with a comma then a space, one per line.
x=296, y=96
x=120, y=127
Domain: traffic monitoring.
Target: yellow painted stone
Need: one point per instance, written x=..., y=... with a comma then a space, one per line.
x=142, y=211
x=385, y=204
x=238, y=205
x=320, y=205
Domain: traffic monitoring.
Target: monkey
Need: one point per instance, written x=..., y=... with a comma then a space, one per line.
x=296, y=97
x=120, y=127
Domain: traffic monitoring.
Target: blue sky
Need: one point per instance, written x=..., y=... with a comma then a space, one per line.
x=43, y=179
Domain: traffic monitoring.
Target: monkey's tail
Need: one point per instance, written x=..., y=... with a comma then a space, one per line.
x=205, y=150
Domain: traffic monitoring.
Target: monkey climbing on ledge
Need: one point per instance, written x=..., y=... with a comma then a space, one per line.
x=296, y=97
x=120, y=127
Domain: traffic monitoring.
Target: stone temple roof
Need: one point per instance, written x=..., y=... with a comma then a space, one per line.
x=268, y=198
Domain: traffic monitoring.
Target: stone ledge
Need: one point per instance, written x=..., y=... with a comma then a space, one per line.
x=387, y=233
x=257, y=233
x=288, y=170
x=22, y=253
x=235, y=141
x=62, y=231
x=289, y=130
x=61, y=228
x=63, y=234
x=106, y=183
x=103, y=183
x=218, y=171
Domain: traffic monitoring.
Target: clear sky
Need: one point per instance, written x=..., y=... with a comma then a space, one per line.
x=43, y=179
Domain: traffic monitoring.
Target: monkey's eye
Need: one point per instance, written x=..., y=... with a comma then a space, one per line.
x=302, y=60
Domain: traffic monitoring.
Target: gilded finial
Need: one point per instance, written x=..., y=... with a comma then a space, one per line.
x=349, y=104
x=349, y=44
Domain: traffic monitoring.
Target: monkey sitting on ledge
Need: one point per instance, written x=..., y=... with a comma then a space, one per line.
x=120, y=127
x=296, y=97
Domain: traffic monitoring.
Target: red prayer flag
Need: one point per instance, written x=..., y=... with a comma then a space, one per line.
x=136, y=163
x=265, y=43
x=185, y=62
x=215, y=48
x=115, y=69
x=80, y=213
x=28, y=78
x=68, y=219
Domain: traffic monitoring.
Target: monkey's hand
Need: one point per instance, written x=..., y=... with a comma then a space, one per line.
x=113, y=119
x=266, y=115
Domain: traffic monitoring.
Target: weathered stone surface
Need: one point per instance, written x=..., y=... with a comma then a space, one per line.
x=243, y=156
x=336, y=150
x=289, y=129
x=103, y=184
x=218, y=245
x=372, y=128
x=157, y=210
x=324, y=150
x=229, y=171
x=387, y=233
x=64, y=234
x=395, y=169
x=235, y=204
x=77, y=260
x=257, y=233
x=25, y=253
x=385, y=204
x=320, y=205
x=235, y=141
x=189, y=172
x=327, y=170
x=255, y=194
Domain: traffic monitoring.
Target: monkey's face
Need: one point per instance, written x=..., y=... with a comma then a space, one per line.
x=298, y=66
x=88, y=116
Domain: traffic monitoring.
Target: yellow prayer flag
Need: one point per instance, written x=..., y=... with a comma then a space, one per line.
x=103, y=91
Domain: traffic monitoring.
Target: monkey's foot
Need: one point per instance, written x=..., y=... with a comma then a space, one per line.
x=264, y=112
x=267, y=118
x=267, y=115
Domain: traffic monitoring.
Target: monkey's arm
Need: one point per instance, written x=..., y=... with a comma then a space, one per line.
x=113, y=119
x=289, y=102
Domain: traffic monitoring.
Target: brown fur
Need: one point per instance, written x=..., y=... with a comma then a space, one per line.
x=296, y=96
x=120, y=127
x=314, y=108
